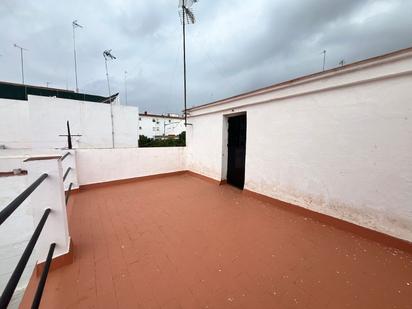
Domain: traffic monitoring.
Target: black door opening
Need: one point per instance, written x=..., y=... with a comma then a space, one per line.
x=236, y=149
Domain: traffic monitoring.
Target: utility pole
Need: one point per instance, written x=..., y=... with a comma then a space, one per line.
x=75, y=25
x=21, y=60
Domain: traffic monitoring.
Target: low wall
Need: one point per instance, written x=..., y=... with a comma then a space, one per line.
x=103, y=165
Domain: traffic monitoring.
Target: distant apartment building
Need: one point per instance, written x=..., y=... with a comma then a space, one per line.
x=160, y=126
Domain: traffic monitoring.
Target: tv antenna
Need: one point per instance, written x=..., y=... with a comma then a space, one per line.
x=75, y=25
x=107, y=54
x=324, y=59
x=22, y=60
x=342, y=62
x=186, y=17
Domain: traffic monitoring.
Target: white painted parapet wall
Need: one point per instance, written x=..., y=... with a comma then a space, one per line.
x=103, y=165
x=338, y=143
x=38, y=122
x=49, y=194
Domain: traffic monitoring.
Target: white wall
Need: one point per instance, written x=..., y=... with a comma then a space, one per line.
x=38, y=122
x=125, y=126
x=14, y=124
x=341, y=145
x=101, y=165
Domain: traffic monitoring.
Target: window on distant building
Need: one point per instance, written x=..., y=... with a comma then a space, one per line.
x=140, y=128
x=154, y=128
x=140, y=118
x=170, y=121
x=153, y=120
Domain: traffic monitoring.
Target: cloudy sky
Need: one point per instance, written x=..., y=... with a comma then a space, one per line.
x=235, y=46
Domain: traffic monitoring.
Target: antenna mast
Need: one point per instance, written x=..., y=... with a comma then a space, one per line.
x=21, y=60
x=125, y=85
x=107, y=54
x=324, y=59
x=75, y=25
x=189, y=18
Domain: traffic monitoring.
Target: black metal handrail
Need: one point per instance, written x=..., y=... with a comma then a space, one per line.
x=68, y=192
x=66, y=173
x=65, y=156
x=18, y=271
x=9, y=209
x=43, y=278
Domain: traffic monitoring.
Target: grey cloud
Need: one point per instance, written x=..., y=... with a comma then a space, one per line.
x=235, y=46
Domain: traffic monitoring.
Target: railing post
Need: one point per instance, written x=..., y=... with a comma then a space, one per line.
x=49, y=195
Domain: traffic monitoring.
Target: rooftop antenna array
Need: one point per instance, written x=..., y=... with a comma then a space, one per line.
x=21, y=60
x=75, y=25
x=186, y=17
x=107, y=54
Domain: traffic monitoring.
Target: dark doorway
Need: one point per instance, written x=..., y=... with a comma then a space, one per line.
x=236, y=149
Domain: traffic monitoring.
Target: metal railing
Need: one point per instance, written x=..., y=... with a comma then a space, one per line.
x=43, y=278
x=9, y=209
x=68, y=192
x=65, y=156
x=21, y=265
x=66, y=173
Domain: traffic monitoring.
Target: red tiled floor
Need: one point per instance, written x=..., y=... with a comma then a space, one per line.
x=181, y=242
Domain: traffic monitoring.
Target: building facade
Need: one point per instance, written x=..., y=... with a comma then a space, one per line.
x=337, y=142
x=160, y=126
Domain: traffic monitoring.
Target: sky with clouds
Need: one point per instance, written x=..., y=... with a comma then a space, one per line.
x=235, y=46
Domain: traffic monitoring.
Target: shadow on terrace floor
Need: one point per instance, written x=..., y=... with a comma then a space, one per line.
x=182, y=242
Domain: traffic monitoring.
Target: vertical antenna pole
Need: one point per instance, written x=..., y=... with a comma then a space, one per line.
x=125, y=85
x=75, y=57
x=324, y=60
x=184, y=60
x=107, y=76
x=111, y=103
x=22, y=65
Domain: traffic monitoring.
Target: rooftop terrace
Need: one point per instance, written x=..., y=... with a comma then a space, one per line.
x=183, y=242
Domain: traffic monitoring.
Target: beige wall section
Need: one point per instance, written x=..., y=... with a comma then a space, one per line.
x=344, y=151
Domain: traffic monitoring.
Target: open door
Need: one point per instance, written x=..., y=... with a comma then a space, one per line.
x=236, y=150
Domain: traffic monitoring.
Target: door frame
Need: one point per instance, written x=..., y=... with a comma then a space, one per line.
x=225, y=140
